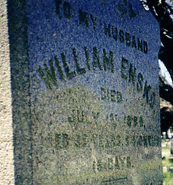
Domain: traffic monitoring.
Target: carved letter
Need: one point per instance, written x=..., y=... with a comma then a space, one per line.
x=67, y=10
x=50, y=75
x=83, y=18
x=79, y=70
x=96, y=60
x=108, y=61
x=107, y=29
x=94, y=22
x=69, y=75
x=58, y=2
x=123, y=67
x=132, y=74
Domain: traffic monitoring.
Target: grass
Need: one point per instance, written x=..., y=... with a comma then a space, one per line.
x=167, y=176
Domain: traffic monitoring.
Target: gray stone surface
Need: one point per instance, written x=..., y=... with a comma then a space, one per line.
x=85, y=92
x=6, y=131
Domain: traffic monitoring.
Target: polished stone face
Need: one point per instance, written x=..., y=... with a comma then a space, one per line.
x=94, y=92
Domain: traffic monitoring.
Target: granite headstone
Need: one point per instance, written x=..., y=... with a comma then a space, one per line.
x=85, y=92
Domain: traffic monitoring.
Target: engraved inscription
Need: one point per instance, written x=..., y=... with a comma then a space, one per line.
x=134, y=121
x=80, y=116
x=84, y=140
x=88, y=121
x=125, y=38
x=112, y=164
x=128, y=72
x=63, y=140
x=97, y=64
x=111, y=95
x=108, y=29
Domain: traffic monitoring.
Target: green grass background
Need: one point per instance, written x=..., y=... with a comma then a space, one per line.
x=167, y=176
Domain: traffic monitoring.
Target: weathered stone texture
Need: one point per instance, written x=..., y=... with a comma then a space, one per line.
x=6, y=132
x=84, y=93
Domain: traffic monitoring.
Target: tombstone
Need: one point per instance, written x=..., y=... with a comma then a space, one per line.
x=171, y=152
x=164, y=136
x=85, y=94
